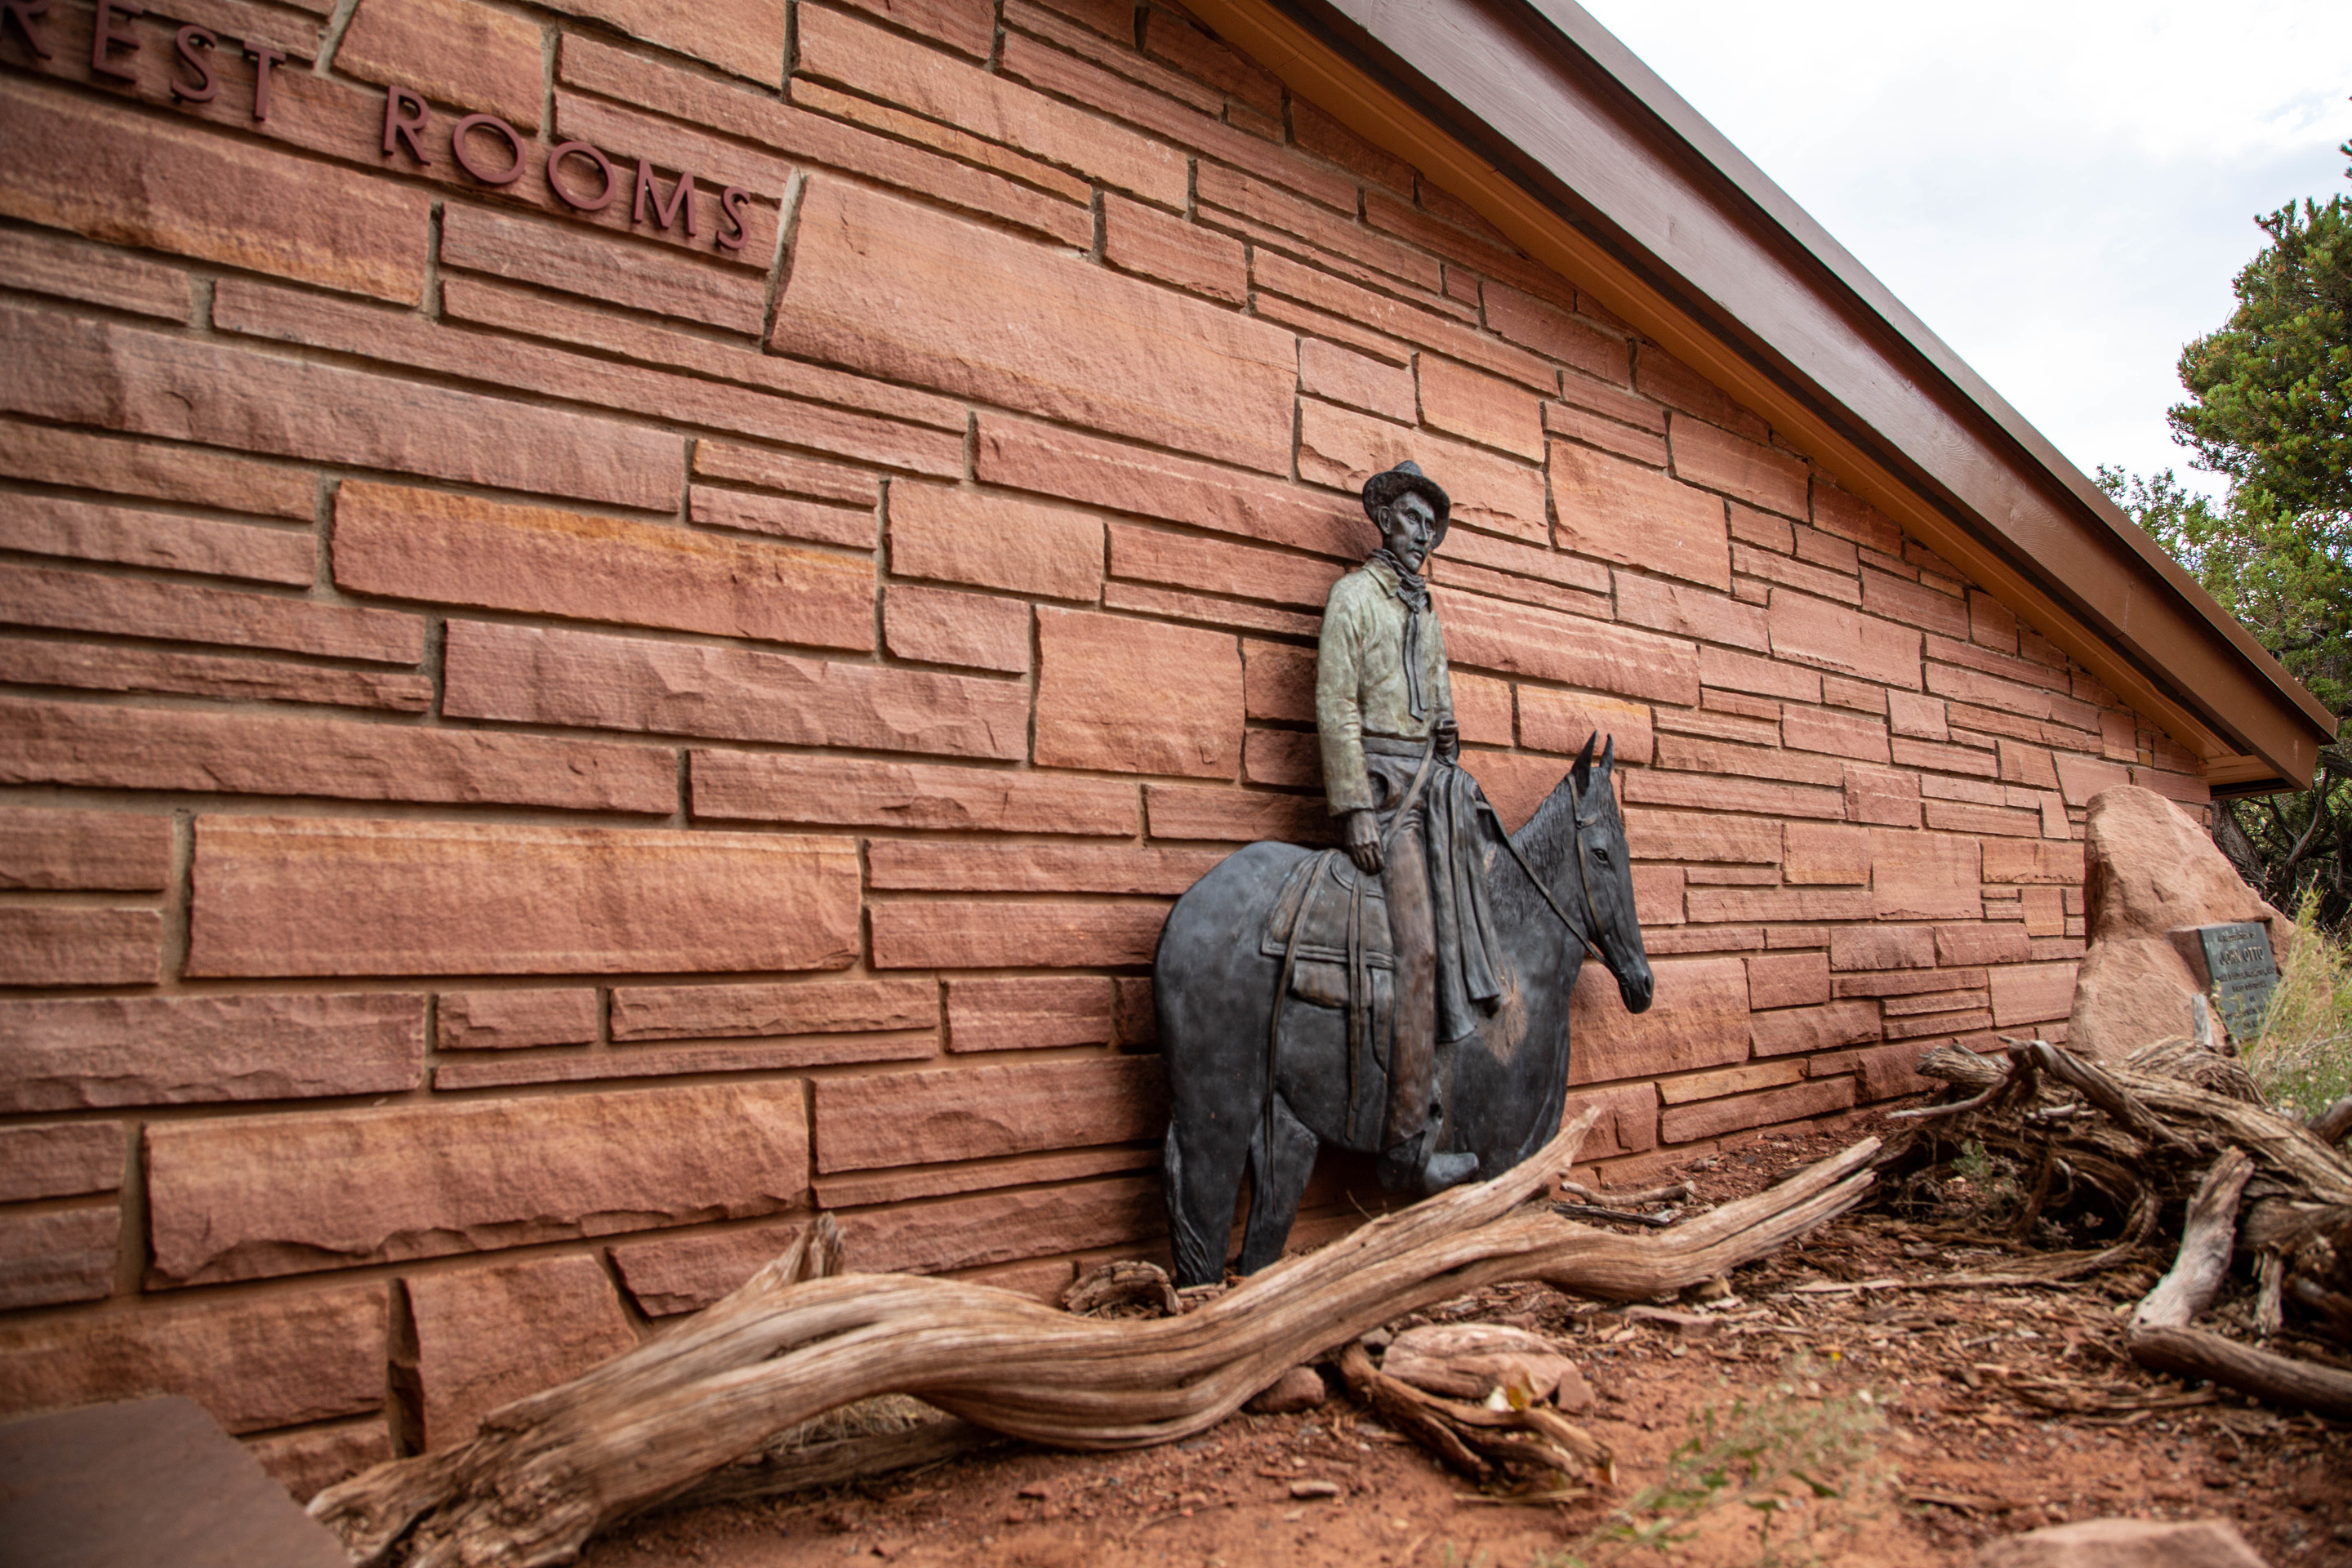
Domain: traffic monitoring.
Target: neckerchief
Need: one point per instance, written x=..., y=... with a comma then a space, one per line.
x=1413, y=591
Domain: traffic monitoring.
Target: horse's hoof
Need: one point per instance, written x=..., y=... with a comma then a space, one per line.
x=1445, y=1171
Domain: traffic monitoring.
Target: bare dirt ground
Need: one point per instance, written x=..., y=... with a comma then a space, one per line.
x=1814, y=1414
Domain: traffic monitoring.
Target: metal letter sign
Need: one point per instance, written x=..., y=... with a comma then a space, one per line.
x=2238, y=958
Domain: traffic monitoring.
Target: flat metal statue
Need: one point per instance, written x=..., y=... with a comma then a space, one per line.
x=1408, y=994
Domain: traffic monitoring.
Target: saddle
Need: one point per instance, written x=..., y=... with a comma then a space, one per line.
x=1330, y=927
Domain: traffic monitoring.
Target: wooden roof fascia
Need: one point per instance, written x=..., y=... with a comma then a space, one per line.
x=1555, y=133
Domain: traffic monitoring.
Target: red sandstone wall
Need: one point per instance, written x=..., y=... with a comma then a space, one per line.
x=540, y=748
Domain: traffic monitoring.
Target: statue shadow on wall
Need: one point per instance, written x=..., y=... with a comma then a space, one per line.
x=1274, y=984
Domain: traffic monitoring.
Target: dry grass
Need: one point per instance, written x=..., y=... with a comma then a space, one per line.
x=2302, y=1058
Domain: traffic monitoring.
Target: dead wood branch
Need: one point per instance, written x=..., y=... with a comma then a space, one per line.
x=2331, y=1125
x=2207, y=1240
x=1475, y=1438
x=2261, y=1375
x=546, y=1472
x=1637, y=1197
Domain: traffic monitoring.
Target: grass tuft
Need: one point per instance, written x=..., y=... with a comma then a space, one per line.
x=2303, y=1058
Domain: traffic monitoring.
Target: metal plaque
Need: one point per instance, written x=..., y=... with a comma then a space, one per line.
x=2243, y=975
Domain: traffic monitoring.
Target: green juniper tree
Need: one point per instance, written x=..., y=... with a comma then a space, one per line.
x=2270, y=408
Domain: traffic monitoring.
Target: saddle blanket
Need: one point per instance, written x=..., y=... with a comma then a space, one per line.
x=1331, y=921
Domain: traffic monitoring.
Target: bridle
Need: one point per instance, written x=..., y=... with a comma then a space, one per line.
x=1583, y=819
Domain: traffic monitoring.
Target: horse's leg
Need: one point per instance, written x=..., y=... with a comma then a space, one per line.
x=1202, y=1177
x=1278, y=1181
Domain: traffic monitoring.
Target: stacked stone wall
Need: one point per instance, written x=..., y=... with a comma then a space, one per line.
x=542, y=746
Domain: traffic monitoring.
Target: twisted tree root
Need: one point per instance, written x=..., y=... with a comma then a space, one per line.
x=546, y=1472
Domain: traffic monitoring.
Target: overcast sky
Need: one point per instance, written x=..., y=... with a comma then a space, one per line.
x=2062, y=190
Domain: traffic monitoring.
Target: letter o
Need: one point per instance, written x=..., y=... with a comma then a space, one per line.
x=604, y=166
x=506, y=176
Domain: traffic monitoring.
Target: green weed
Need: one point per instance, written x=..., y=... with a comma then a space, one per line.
x=2302, y=1058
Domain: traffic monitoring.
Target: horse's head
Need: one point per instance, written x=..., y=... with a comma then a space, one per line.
x=1605, y=873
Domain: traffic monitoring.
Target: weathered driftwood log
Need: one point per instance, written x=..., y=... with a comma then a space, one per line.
x=2162, y=1340
x=546, y=1472
x=1475, y=1438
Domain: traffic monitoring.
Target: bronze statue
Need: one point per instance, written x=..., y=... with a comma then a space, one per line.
x=1407, y=995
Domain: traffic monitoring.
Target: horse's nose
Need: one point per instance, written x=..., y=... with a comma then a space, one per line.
x=1635, y=988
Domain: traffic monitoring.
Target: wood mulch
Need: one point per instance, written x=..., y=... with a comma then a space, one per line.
x=1990, y=1409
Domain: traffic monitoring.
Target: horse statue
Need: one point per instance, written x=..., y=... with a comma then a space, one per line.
x=1259, y=1075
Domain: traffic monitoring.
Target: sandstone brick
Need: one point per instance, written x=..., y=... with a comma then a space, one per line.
x=1154, y=244
x=1109, y=696
x=1729, y=1081
x=859, y=1188
x=1034, y=868
x=1835, y=734
x=1740, y=727
x=1628, y=1124
x=1028, y=1012
x=712, y=1012
x=1562, y=722
x=66, y=1255
x=976, y=631
x=966, y=26
x=1677, y=789
x=1197, y=54
x=1792, y=1030
x=1851, y=517
x=745, y=36
x=1982, y=942
x=1939, y=1002
x=1341, y=376
x=1636, y=517
x=113, y=747
x=1554, y=333
x=488, y=1336
x=993, y=542
x=1705, y=939
x=1947, y=1023
x=2009, y=860
x=1882, y=947
x=42, y=525
x=1380, y=313
x=1288, y=759
x=998, y=1227
x=1615, y=403
x=51, y=850
x=1821, y=852
x=1562, y=419
x=836, y=48
x=1482, y=707
x=113, y=668
x=1751, y=562
x=70, y=161
x=505, y=1020
x=308, y=1462
x=1278, y=683
x=1957, y=759
x=678, y=1274
x=67, y=1054
x=533, y=675
x=1913, y=604
x=1908, y=983
x=1882, y=795
x=1698, y=1018
x=1714, y=1118
x=279, y=1360
x=726, y=461
x=451, y=51
x=1661, y=375
x=2030, y=765
x=1924, y=876
x=1916, y=717
x=67, y=269
x=895, y=291
x=151, y=384
x=1746, y=672
x=1982, y=820
x=2080, y=778
x=1812, y=631
x=1859, y=695
x=84, y=459
x=425, y=544
x=1657, y=893
x=1226, y=816
x=784, y=517
x=974, y=934
x=2044, y=912
x=1680, y=751
x=83, y=602
x=733, y=786
x=1777, y=904
x=1317, y=132
x=1515, y=783
x=258, y=1197
x=1888, y=1072
x=1118, y=477
x=1788, y=979
x=1519, y=639
x=285, y=896
x=1690, y=613
x=1483, y=409
x=43, y=944
x=1342, y=448
x=979, y=1113
x=1216, y=565
x=698, y=1059
x=59, y=1160
x=1706, y=455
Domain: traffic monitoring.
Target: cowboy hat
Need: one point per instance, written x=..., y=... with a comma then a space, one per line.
x=1406, y=476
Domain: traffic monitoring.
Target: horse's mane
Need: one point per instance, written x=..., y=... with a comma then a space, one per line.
x=1545, y=841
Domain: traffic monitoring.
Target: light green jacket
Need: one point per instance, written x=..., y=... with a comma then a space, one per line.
x=1360, y=680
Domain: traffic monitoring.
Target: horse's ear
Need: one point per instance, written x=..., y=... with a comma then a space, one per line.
x=1582, y=772
x=1608, y=754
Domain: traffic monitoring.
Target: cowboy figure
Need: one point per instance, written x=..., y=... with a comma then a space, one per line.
x=1384, y=712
